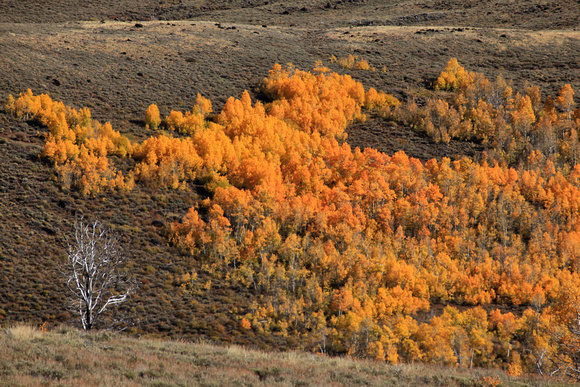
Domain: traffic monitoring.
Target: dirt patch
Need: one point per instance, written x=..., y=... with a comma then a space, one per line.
x=388, y=137
x=531, y=14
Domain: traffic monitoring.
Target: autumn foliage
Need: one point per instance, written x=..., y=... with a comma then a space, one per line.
x=78, y=146
x=514, y=125
x=350, y=249
x=152, y=117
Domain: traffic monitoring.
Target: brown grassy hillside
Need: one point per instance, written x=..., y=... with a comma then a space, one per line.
x=118, y=57
x=111, y=359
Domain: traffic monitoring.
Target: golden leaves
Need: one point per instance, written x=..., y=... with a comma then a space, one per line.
x=77, y=145
x=152, y=117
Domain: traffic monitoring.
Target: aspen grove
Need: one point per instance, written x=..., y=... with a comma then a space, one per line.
x=349, y=250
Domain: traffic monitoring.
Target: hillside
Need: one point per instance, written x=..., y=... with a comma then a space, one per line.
x=114, y=59
x=109, y=359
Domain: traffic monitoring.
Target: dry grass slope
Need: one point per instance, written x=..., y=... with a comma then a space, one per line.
x=67, y=357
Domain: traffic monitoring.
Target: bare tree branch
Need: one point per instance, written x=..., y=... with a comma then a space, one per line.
x=94, y=271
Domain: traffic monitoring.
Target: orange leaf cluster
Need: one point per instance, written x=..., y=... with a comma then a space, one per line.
x=323, y=103
x=76, y=144
x=513, y=126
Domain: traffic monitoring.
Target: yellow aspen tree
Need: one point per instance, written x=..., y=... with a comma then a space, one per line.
x=523, y=116
x=203, y=105
x=10, y=105
x=152, y=117
x=565, y=101
x=453, y=77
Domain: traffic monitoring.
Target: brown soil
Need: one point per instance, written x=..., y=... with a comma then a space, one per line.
x=117, y=57
x=388, y=137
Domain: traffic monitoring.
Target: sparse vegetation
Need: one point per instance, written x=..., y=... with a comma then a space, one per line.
x=67, y=357
x=352, y=62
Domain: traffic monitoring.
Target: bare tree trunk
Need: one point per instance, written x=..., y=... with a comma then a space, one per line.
x=94, y=272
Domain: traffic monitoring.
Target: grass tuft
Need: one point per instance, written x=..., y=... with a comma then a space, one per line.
x=22, y=332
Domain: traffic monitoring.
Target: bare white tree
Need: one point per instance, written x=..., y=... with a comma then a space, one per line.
x=95, y=271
